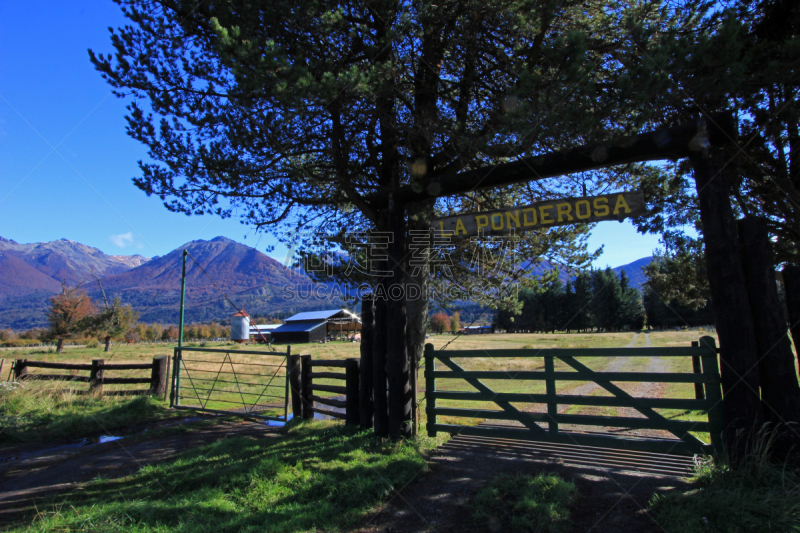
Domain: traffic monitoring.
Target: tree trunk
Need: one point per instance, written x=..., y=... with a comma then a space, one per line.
x=108, y=343
x=397, y=368
x=365, y=391
x=780, y=393
x=734, y=321
x=380, y=413
x=59, y=345
x=419, y=223
x=791, y=282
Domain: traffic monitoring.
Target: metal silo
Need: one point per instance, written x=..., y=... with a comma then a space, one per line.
x=240, y=327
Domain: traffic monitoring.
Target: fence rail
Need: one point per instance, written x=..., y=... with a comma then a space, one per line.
x=97, y=378
x=684, y=441
x=306, y=388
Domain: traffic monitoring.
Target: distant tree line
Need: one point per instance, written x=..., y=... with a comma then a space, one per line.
x=676, y=293
x=596, y=300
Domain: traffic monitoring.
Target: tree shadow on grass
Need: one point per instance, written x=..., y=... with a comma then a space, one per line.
x=319, y=477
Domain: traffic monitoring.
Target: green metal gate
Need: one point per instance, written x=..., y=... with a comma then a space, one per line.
x=240, y=382
x=520, y=408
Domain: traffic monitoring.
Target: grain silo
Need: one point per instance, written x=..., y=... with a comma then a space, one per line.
x=240, y=327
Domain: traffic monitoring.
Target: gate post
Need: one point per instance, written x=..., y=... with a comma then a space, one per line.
x=20, y=369
x=295, y=382
x=305, y=374
x=96, y=376
x=430, y=388
x=550, y=388
x=696, y=369
x=352, y=371
x=158, y=376
x=716, y=420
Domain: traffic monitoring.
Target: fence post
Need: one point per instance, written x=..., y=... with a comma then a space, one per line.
x=430, y=390
x=96, y=376
x=295, y=382
x=286, y=386
x=305, y=374
x=698, y=387
x=20, y=369
x=716, y=420
x=550, y=388
x=158, y=376
x=351, y=411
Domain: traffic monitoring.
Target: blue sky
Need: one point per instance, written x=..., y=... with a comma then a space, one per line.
x=67, y=163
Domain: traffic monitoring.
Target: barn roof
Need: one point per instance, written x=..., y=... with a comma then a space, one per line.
x=319, y=315
x=264, y=327
x=299, y=326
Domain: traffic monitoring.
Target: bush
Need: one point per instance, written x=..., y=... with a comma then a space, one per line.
x=93, y=343
x=20, y=343
x=525, y=503
x=757, y=497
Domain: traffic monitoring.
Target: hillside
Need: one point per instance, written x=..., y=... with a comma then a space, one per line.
x=19, y=279
x=249, y=278
x=634, y=271
x=69, y=260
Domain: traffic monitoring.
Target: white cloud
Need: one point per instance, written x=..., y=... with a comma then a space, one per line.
x=123, y=240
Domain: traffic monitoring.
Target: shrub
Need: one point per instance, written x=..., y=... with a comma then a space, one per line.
x=756, y=497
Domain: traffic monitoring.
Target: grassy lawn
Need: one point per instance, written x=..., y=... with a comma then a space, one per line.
x=41, y=413
x=321, y=476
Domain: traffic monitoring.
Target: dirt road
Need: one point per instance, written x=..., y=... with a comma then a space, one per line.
x=34, y=473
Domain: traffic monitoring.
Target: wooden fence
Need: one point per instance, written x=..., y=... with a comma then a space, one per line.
x=303, y=370
x=684, y=441
x=97, y=374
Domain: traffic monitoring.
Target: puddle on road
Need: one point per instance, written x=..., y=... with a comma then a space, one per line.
x=91, y=441
x=280, y=423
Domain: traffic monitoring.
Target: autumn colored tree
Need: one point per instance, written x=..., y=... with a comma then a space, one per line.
x=440, y=322
x=455, y=322
x=68, y=314
x=114, y=321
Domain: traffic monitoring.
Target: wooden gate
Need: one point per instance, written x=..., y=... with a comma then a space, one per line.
x=520, y=408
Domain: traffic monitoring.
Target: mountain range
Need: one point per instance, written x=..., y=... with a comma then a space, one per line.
x=220, y=274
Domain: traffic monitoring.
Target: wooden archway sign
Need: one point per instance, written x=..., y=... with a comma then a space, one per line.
x=701, y=141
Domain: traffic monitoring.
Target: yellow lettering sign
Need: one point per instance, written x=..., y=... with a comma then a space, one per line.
x=482, y=221
x=441, y=229
x=600, y=207
x=542, y=216
x=621, y=204
x=583, y=203
x=525, y=220
x=564, y=211
x=512, y=216
x=498, y=217
x=460, y=229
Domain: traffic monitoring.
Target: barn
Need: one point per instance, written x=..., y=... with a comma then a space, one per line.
x=316, y=326
x=477, y=330
x=262, y=332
